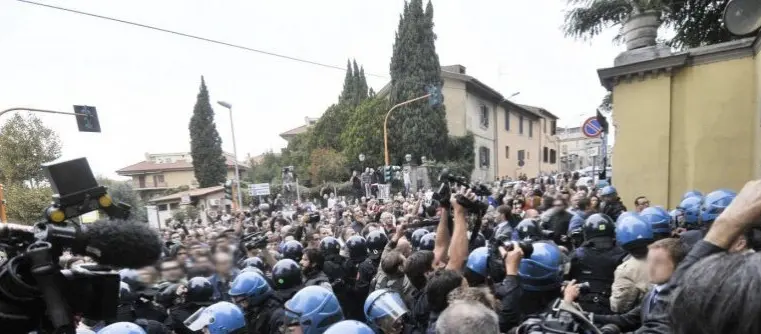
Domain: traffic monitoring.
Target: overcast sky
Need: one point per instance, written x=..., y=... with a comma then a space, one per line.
x=144, y=83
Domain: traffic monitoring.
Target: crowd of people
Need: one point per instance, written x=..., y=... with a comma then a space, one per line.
x=544, y=255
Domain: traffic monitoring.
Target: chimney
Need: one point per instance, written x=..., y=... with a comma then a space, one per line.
x=454, y=69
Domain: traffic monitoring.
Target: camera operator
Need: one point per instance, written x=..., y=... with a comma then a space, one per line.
x=530, y=284
x=596, y=261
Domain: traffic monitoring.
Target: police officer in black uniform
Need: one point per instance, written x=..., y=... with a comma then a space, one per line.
x=196, y=294
x=286, y=276
x=595, y=263
x=353, y=298
x=333, y=266
x=376, y=243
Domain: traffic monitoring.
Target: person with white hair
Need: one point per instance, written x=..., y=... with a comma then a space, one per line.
x=467, y=317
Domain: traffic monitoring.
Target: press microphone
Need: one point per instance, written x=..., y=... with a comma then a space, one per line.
x=115, y=242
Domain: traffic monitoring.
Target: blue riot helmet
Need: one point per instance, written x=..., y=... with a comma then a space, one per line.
x=478, y=260
x=714, y=204
x=286, y=274
x=690, y=208
x=659, y=220
x=598, y=225
x=255, y=262
x=626, y=214
x=293, y=250
x=692, y=193
x=84, y=331
x=252, y=270
x=199, y=290
x=357, y=247
x=219, y=318
x=632, y=232
x=330, y=246
x=528, y=230
x=314, y=309
x=416, y=236
x=428, y=241
x=349, y=327
x=543, y=270
x=249, y=289
x=384, y=310
x=608, y=191
x=122, y=328
x=602, y=184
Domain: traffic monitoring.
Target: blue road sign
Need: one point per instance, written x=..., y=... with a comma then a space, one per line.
x=591, y=128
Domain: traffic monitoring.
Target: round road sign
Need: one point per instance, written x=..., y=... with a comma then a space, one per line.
x=591, y=128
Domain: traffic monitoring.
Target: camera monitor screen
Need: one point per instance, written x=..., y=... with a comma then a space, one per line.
x=69, y=177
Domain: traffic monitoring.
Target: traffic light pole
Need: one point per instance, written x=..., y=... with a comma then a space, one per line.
x=385, y=123
x=42, y=111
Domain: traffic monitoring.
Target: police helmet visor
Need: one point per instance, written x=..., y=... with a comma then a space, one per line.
x=388, y=305
x=199, y=320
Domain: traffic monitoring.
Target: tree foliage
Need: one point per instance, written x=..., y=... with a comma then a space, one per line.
x=326, y=133
x=209, y=162
x=25, y=205
x=123, y=192
x=417, y=129
x=267, y=170
x=25, y=144
x=696, y=22
x=327, y=165
x=363, y=133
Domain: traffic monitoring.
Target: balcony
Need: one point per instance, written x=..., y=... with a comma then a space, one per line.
x=147, y=185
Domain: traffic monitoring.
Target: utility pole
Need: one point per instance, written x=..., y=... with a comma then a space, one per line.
x=235, y=151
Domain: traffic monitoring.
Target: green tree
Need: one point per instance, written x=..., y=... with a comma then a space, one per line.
x=327, y=131
x=26, y=205
x=418, y=129
x=209, y=162
x=123, y=192
x=363, y=133
x=266, y=170
x=696, y=22
x=26, y=144
x=327, y=165
x=297, y=154
x=347, y=94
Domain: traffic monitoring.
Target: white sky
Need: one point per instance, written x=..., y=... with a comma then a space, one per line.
x=144, y=83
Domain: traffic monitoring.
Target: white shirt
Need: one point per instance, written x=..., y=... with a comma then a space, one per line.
x=331, y=203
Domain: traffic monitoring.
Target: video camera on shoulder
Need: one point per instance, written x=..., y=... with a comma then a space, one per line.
x=256, y=240
x=444, y=193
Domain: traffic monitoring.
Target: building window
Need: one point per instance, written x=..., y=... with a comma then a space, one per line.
x=483, y=157
x=507, y=120
x=530, y=128
x=521, y=155
x=174, y=206
x=162, y=207
x=484, y=116
x=544, y=125
x=545, y=154
x=507, y=152
x=553, y=127
x=553, y=156
x=160, y=178
x=520, y=124
x=528, y=155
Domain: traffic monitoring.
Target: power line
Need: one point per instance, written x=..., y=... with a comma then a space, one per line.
x=209, y=40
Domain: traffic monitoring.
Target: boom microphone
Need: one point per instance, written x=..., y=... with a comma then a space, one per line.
x=120, y=243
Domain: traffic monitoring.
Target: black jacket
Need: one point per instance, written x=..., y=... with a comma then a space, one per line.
x=177, y=316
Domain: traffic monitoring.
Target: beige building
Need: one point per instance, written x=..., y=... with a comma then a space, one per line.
x=504, y=132
x=308, y=122
x=162, y=171
x=210, y=202
x=578, y=151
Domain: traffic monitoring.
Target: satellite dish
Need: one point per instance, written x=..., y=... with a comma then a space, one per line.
x=743, y=17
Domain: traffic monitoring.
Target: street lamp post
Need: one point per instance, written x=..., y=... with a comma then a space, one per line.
x=235, y=151
x=385, y=123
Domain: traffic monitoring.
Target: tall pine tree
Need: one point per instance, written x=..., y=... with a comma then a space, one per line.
x=347, y=94
x=205, y=143
x=417, y=129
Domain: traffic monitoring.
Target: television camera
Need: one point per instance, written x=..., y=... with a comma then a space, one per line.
x=476, y=207
x=35, y=293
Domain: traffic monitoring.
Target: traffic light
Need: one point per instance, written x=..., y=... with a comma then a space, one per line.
x=229, y=189
x=87, y=119
x=435, y=97
x=387, y=176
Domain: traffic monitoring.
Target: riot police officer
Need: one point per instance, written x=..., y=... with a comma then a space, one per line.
x=286, y=274
x=528, y=230
x=416, y=236
x=711, y=207
x=428, y=242
x=196, y=294
x=252, y=293
x=333, y=265
x=610, y=203
x=312, y=310
x=595, y=263
x=386, y=312
x=659, y=221
x=292, y=250
x=476, y=268
x=220, y=318
x=354, y=294
x=630, y=281
x=376, y=243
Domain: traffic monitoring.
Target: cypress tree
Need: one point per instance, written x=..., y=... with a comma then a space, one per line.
x=348, y=91
x=209, y=163
x=417, y=129
x=362, y=85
